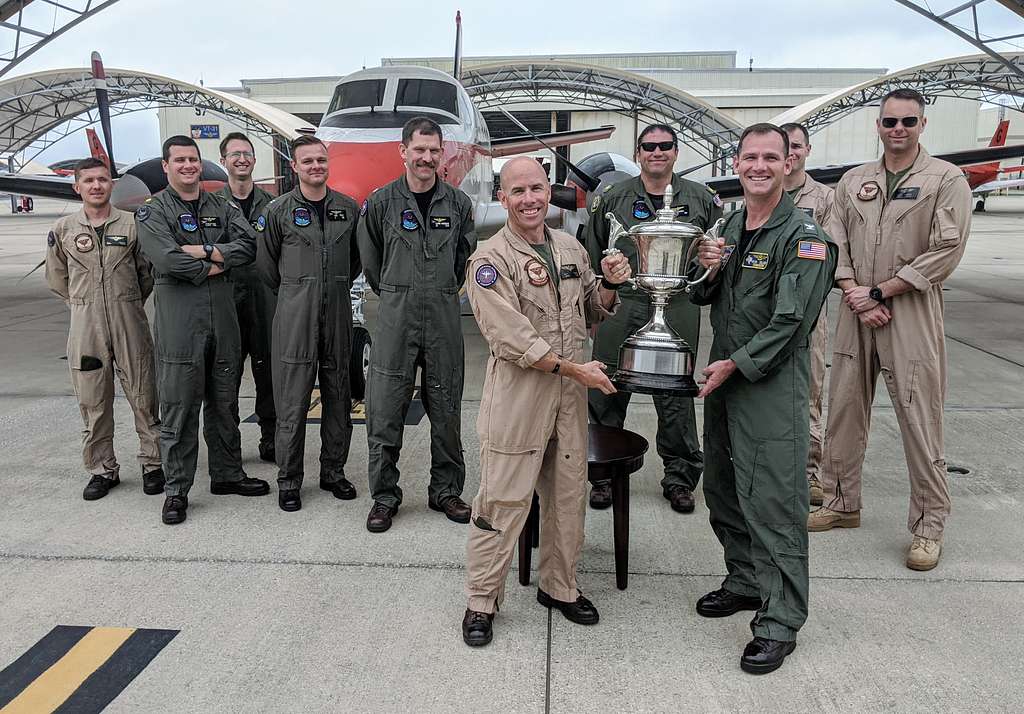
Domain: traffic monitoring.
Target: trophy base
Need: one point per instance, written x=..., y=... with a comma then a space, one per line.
x=679, y=385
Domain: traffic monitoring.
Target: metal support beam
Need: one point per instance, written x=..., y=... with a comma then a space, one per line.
x=25, y=30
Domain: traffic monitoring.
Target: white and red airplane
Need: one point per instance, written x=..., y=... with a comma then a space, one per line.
x=984, y=178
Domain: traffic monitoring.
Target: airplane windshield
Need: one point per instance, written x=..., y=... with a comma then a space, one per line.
x=357, y=94
x=428, y=93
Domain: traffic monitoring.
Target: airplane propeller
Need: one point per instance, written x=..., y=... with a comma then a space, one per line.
x=103, y=105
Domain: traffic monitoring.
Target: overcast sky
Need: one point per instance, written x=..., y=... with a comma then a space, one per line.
x=224, y=41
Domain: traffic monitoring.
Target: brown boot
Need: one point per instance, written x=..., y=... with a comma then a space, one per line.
x=924, y=553
x=825, y=519
x=817, y=493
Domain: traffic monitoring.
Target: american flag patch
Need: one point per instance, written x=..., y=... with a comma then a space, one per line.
x=812, y=250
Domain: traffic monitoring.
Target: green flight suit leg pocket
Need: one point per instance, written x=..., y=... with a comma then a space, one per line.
x=178, y=384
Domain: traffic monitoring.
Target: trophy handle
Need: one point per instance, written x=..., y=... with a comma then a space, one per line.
x=615, y=230
x=711, y=235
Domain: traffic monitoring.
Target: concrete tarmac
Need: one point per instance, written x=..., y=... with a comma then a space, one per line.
x=308, y=612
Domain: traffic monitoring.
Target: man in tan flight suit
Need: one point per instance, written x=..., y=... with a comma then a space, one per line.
x=533, y=293
x=94, y=264
x=901, y=224
x=814, y=199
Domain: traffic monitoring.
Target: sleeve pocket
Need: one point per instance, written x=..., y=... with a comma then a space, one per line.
x=790, y=303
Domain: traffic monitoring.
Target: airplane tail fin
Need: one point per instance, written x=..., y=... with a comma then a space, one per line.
x=457, y=64
x=96, y=149
x=100, y=79
x=999, y=137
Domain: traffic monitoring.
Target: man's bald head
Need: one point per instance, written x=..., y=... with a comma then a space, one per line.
x=521, y=167
x=525, y=192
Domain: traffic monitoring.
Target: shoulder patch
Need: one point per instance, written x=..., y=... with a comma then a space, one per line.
x=811, y=250
x=596, y=204
x=51, y=239
x=143, y=212
x=486, y=275
x=261, y=223
x=362, y=209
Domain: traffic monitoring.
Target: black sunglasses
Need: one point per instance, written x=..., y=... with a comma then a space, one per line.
x=890, y=122
x=650, y=146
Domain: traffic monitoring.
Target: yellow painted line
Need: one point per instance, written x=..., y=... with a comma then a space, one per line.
x=52, y=687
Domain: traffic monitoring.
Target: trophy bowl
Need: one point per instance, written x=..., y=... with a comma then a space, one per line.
x=654, y=359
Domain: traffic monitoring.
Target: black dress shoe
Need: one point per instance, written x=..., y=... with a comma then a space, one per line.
x=601, y=495
x=379, y=518
x=476, y=628
x=680, y=497
x=722, y=603
x=454, y=508
x=762, y=655
x=98, y=487
x=342, y=489
x=267, y=452
x=288, y=499
x=153, y=482
x=582, y=611
x=245, y=487
x=175, y=510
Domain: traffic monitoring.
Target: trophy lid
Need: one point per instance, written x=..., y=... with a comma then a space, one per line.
x=666, y=225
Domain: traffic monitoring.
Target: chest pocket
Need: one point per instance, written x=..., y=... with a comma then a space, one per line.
x=118, y=258
x=299, y=255
x=400, y=254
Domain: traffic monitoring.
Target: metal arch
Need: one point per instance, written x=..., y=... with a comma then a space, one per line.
x=973, y=33
x=23, y=36
x=710, y=132
x=39, y=109
x=977, y=77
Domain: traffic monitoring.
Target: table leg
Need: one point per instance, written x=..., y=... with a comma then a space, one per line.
x=620, y=526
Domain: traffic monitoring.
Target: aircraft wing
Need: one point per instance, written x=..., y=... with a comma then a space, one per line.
x=40, y=186
x=728, y=187
x=512, y=145
x=997, y=185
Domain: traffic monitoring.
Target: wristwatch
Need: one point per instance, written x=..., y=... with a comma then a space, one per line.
x=208, y=247
x=876, y=294
x=607, y=285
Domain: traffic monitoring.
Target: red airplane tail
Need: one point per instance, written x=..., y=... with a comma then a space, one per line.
x=96, y=148
x=983, y=173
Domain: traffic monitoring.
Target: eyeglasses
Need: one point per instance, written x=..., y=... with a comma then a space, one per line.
x=240, y=155
x=908, y=122
x=650, y=146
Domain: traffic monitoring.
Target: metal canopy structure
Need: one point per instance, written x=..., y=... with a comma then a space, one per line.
x=978, y=77
x=24, y=30
x=39, y=109
x=967, y=12
x=707, y=130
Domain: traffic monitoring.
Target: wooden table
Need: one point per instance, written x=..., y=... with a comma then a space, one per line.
x=612, y=455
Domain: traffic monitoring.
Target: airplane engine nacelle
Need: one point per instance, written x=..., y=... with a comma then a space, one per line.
x=606, y=167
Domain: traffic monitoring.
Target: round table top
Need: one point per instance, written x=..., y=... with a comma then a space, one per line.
x=613, y=451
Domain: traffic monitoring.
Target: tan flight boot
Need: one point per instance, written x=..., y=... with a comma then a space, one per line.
x=825, y=519
x=924, y=553
x=816, y=491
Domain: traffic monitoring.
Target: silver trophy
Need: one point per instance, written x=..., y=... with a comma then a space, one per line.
x=654, y=359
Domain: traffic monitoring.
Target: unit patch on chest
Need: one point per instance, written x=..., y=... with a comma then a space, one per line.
x=868, y=191
x=301, y=216
x=641, y=210
x=84, y=243
x=440, y=222
x=116, y=241
x=337, y=214
x=755, y=260
x=537, y=273
x=409, y=220
x=908, y=193
x=188, y=222
x=727, y=252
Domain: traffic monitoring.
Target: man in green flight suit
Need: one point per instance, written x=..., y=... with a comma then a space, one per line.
x=308, y=256
x=635, y=201
x=771, y=271
x=254, y=301
x=194, y=239
x=415, y=236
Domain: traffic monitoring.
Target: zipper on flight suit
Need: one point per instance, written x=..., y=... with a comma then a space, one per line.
x=103, y=283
